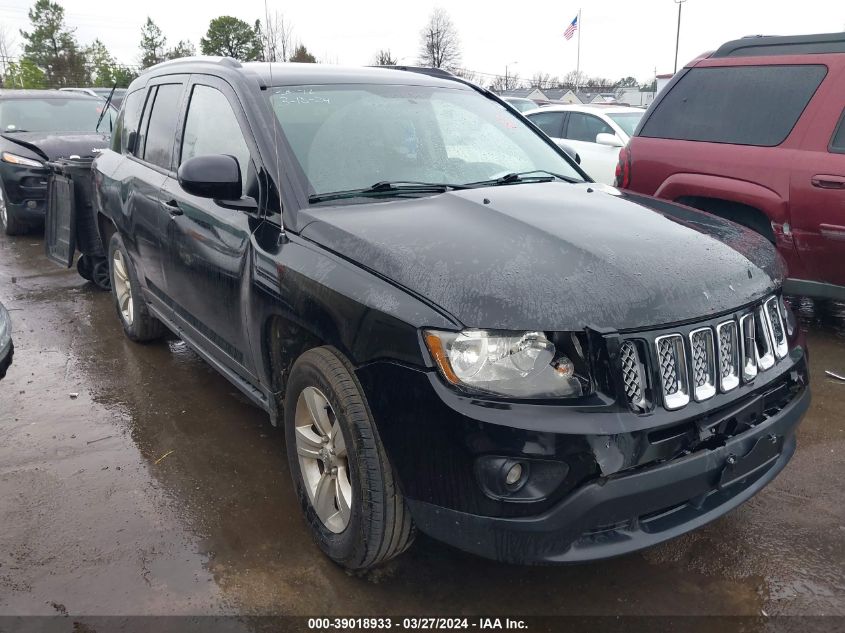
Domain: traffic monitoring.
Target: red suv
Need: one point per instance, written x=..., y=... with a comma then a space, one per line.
x=755, y=132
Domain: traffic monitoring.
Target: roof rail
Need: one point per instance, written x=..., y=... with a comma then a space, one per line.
x=757, y=45
x=231, y=62
x=424, y=70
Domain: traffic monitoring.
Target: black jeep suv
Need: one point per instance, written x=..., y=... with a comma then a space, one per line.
x=460, y=332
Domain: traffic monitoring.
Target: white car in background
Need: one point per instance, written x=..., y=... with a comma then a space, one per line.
x=595, y=132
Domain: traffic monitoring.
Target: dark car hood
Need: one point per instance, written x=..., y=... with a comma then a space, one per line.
x=53, y=145
x=554, y=256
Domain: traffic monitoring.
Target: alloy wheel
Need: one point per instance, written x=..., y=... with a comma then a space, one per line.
x=323, y=459
x=123, y=288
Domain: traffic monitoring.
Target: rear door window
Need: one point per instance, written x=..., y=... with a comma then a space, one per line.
x=161, y=128
x=550, y=122
x=585, y=127
x=742, y=105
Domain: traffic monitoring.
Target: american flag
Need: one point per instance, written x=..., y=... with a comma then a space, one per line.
x=570, y=30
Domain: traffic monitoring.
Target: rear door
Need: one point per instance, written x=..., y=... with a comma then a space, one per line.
x=599, y=161
x=207, y=242
x=152, y=156
x=817, y=191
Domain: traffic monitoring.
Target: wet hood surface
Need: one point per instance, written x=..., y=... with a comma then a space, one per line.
x=554, y=256
x=53, y=145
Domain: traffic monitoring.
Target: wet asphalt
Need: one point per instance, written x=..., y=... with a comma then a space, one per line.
x=135, y=480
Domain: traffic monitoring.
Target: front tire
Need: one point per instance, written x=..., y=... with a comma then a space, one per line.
x=9, y=224
x=138, y=323
x=346, y=487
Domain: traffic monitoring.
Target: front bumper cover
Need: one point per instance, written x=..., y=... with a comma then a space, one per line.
x=629, y=511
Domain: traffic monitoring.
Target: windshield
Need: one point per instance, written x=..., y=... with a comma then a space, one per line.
x=627, y=120
x=349, y=137
x=53, y=115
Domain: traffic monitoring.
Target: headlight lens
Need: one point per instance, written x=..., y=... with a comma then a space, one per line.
x=517, y=364
x=14, y=159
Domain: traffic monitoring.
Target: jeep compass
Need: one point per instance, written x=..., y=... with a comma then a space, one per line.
x=460, y=332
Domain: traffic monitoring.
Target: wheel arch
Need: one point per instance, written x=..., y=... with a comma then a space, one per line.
x=744, y=214
x=726, y=195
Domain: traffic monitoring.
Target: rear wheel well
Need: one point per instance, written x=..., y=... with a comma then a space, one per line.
x=744, y=214
x=106, y=228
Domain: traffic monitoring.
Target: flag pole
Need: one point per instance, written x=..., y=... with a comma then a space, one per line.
x=578, y=59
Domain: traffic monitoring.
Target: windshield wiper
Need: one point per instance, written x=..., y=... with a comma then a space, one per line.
x=106, y=109
x=387, y=188
x=16, y=130
x=535, y=175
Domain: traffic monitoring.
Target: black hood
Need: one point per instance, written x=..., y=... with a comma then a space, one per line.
x=554, y=256
x=53, y=145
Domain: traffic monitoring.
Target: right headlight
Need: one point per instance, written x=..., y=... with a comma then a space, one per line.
x=14, y=159
x=515, y=364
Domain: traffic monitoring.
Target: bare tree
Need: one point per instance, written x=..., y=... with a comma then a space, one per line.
x=384, y=58
x=544, y=80
x=504, y=83
x=573, y=78
x=277, y=36
x=8, y=45
x=439, y=43
x=469, y=75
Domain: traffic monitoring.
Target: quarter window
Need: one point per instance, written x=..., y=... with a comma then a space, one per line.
x=585, y=127
x=127, y=123
x=212, y=128
x=837, y=143
x=162, y=126
x=742, y=105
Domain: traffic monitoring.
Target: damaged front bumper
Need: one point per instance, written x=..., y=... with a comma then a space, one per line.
x=600, y=481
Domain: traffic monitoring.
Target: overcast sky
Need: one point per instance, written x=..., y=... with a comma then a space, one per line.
x=618, y=38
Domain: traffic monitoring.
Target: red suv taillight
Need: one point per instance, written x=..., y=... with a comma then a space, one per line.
x=623, y=169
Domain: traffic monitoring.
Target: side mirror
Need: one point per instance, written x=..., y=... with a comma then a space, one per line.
x=217, y=177
x=131, y=141
x=611, y=140
x=569, y=151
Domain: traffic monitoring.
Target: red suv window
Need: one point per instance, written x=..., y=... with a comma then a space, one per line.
x=742, y=105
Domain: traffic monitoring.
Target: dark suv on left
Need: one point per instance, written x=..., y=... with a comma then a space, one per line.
x=459, y=331
x=37, y=126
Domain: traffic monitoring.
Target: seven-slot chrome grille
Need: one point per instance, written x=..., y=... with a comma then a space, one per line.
x=696, y=363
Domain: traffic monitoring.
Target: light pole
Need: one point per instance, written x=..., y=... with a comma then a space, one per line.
x=678, y=33
x=507, y=86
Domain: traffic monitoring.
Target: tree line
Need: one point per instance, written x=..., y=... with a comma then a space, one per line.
x=52, y=57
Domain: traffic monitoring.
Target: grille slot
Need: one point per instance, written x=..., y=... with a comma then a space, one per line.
x=673, y=370
x=703, y=363
x=774, y=318
x=748, y=345
x=765, y=354
x=728, y=356
x=633, y=376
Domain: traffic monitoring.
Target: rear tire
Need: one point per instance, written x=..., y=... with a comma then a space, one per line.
x=378, y=525
x=138, y=323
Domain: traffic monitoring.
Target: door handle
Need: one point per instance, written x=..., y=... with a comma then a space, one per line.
x=825, y=181
x=172, y=207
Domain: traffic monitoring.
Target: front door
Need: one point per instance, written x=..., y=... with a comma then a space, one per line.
x=208, y=242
